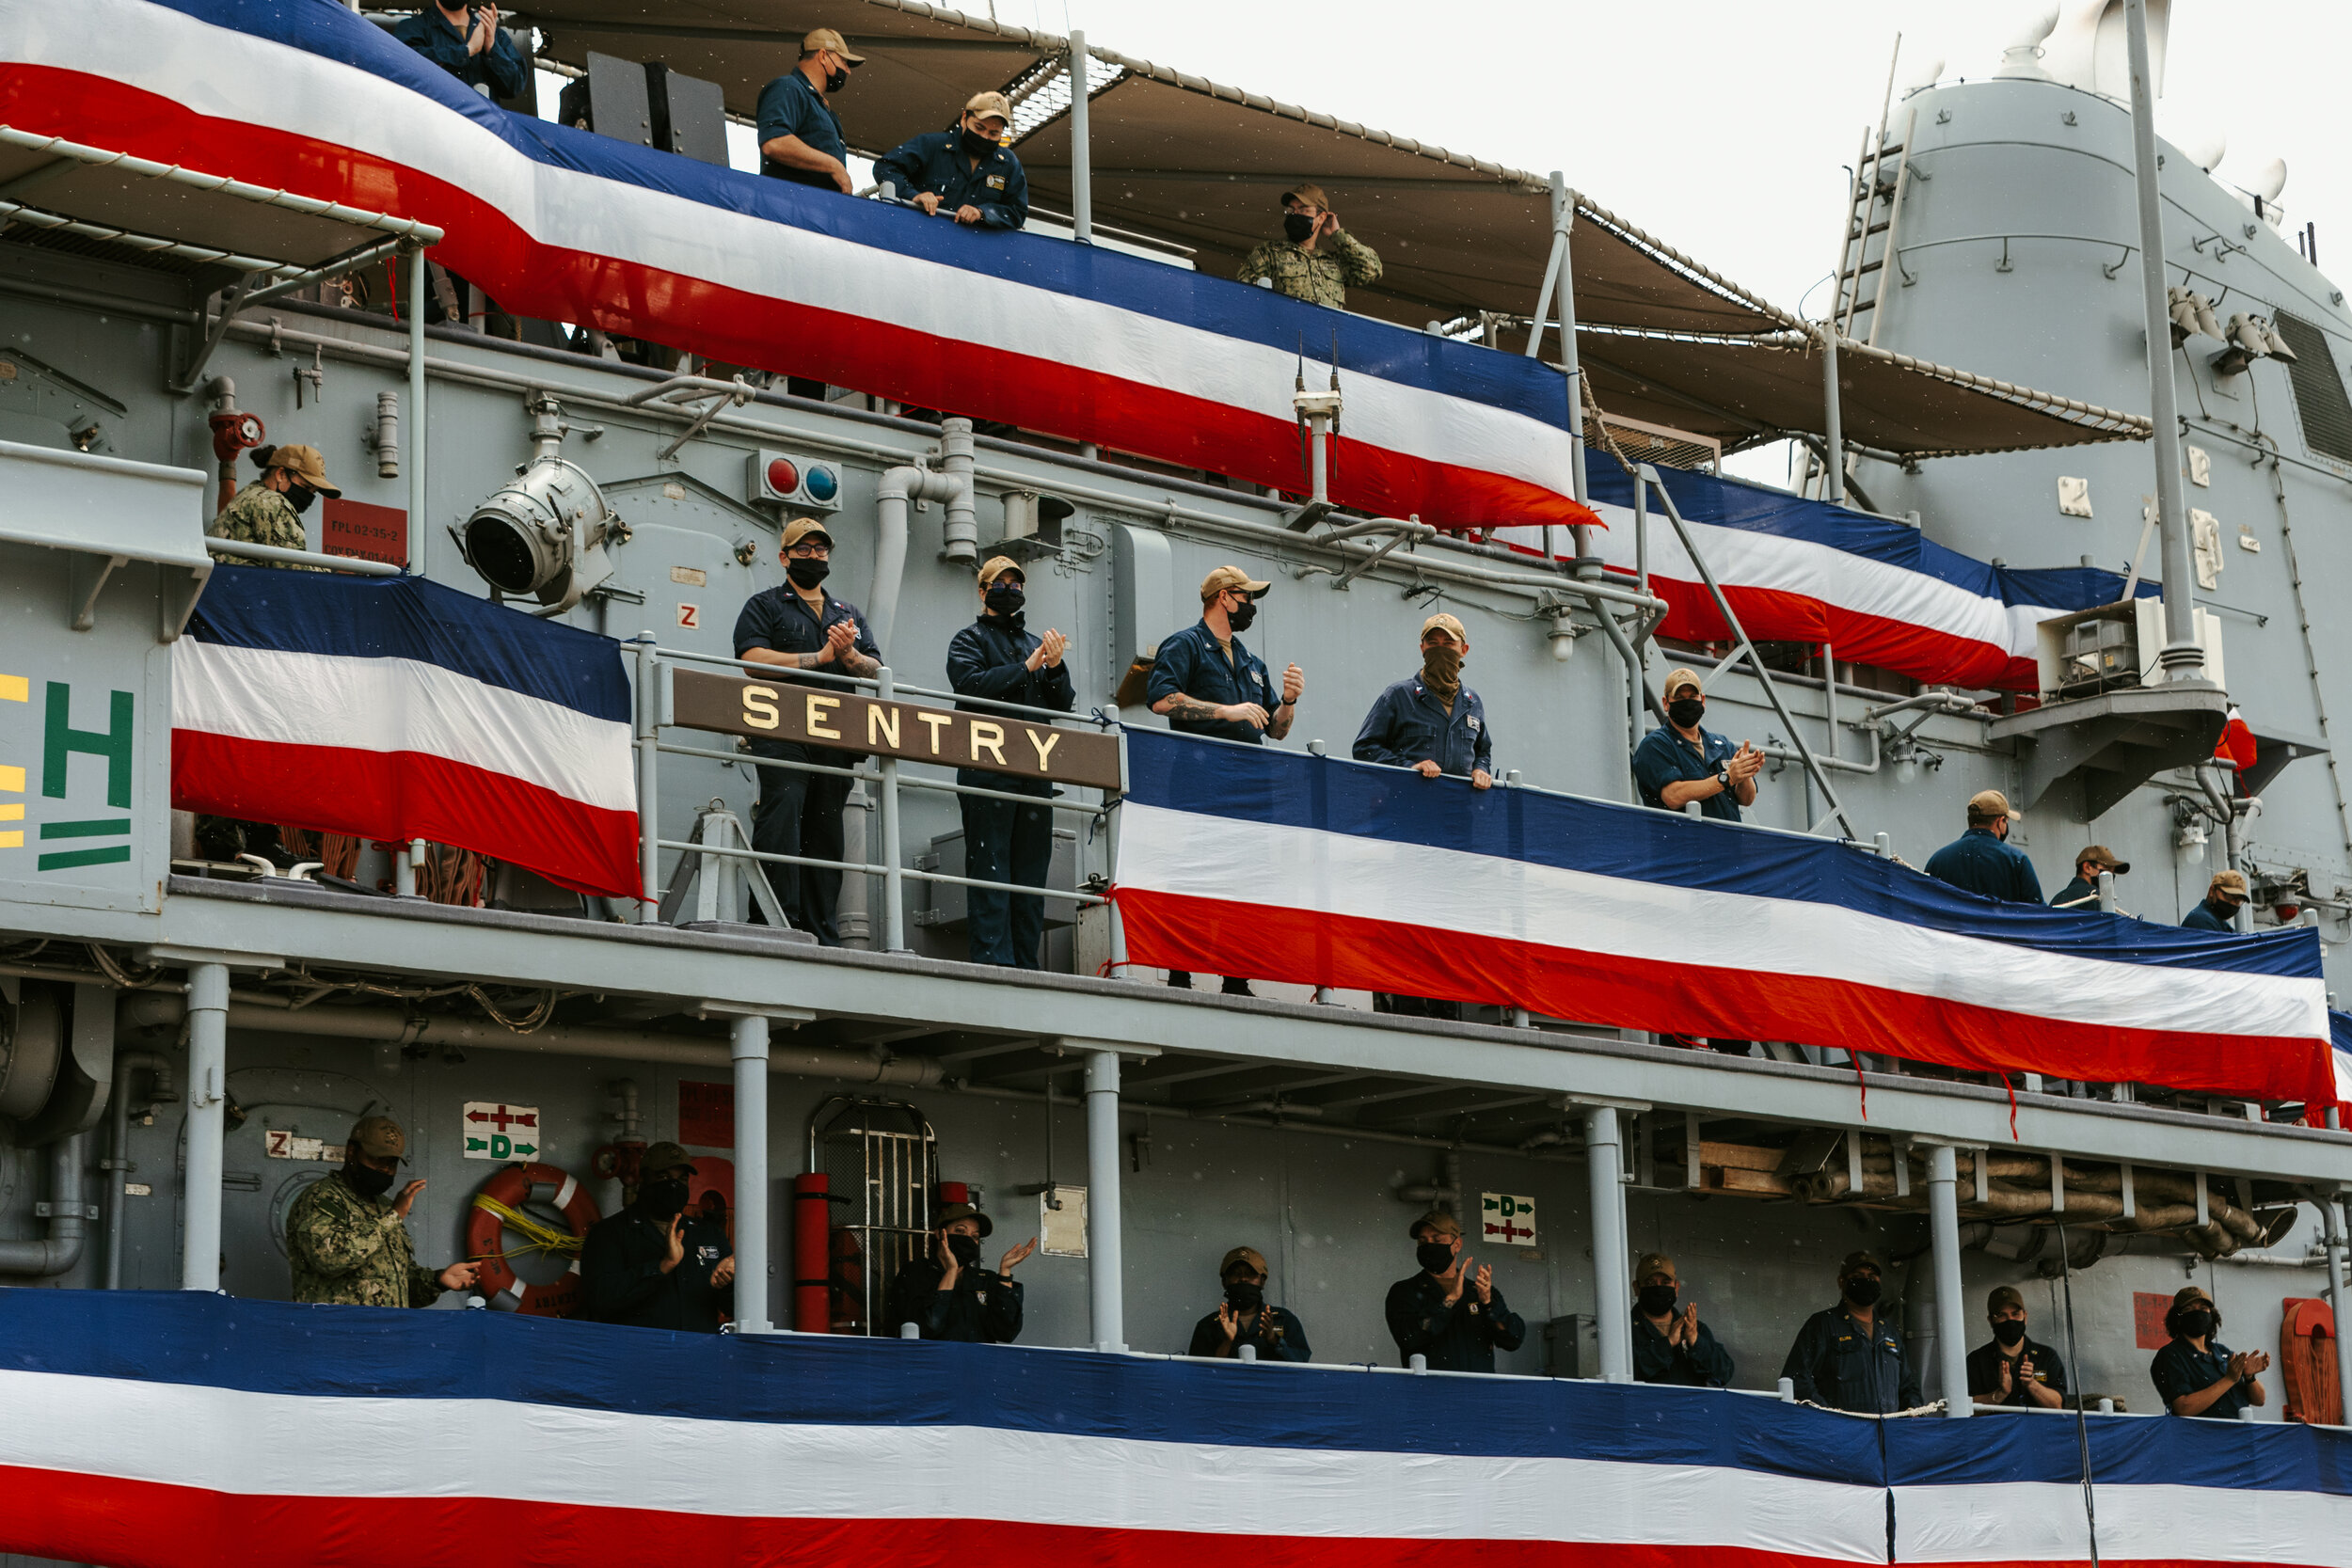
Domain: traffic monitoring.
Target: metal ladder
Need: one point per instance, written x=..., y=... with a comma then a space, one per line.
x=1866, y=244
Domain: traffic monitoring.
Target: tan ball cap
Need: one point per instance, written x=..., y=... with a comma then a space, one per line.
x=1678, y=679
x=1248, y=1255
x=803, y=528
x=2230, y=882
x=1447, y=624
x=1989, y=804
x=2104, y=858
x=986, y=104
x=379, y=1137
x=306, y=465
x=1655, y=1262
x=663, y=1156
x=997, y=566
x=825, y=38
x=1437, y=1220
x=1225, y=577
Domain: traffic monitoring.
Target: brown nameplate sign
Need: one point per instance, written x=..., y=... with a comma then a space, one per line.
x=849, y=721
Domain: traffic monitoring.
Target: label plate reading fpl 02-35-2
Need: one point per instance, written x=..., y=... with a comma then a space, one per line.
x=849, y=721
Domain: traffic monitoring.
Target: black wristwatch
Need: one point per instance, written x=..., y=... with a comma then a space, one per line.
x=1723, y=777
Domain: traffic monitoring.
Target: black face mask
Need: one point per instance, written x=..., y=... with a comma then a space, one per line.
x=966, y=1251
x=1005, y=599
x=366, y=1180
x=2194, y=1324
x=2010, y=1333
x=807, y=572
x=1686, y=712
x=835, y=81
x=976, y=145
x=1240, y=619
x=1297, y=228
x=1656, y=1300
x=299, y=497
x=1434, y=1257
x=665, y=1196
x=1242, y=1296
x=1863, y=1291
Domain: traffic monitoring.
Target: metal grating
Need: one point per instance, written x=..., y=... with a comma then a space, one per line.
x=2319, y=395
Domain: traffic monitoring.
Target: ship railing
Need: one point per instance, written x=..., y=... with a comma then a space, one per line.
x=880, y=903
x=732, y=872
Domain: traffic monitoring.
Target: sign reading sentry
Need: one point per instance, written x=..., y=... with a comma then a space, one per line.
x=849, y=721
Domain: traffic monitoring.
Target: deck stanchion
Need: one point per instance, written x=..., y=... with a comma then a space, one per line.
x=2332, y=1212
x=1951, y=1328
x=750, y=1051
x=1104, y=1293
x=894, y=870
x=1604, y=1165
x=208, y=1097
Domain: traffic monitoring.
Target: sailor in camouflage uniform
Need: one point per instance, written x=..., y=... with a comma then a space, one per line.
x=269, y=510
x=348, y=1244
x=1317, y=261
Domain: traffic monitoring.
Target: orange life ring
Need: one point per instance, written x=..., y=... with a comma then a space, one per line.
x=485, y=1239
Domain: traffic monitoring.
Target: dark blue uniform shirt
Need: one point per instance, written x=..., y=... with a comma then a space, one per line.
x=1284, y=1338
x=937, y=163
x=2078, y=895
x=1839, y=1363
x=2204, y=918
x=1663, y=757
x=1981, y=863
x=1705, y=1364
x=1984, y=1372
x=788, y=107
x=989, y=658
x=780, y=620
x=1409, y=725
x=1458, y=1338
x=500, y=67
x=2180, y=1368
x=1191, y=663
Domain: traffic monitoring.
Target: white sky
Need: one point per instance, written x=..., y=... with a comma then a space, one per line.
x=1725, y=128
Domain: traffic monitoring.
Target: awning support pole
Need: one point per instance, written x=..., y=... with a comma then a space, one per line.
x=1081, y=149
x=1646, y=474
x=1833, y=420
x=1562, y=226
x=412, y=257
x=2182, y=660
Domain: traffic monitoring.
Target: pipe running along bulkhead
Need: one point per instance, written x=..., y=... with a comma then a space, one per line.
x=163, y=1011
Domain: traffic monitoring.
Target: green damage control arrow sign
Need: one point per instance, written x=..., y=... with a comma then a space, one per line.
x=497, y=1130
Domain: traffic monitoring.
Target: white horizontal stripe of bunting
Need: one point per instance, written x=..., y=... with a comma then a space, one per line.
x=230, y=1440
x=236, y=76
x=1262, y=865
x=2007, y=1522
x=389, y=705
x=1748, y=557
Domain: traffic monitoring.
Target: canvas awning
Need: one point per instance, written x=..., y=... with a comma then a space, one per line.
x=1203, y=164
